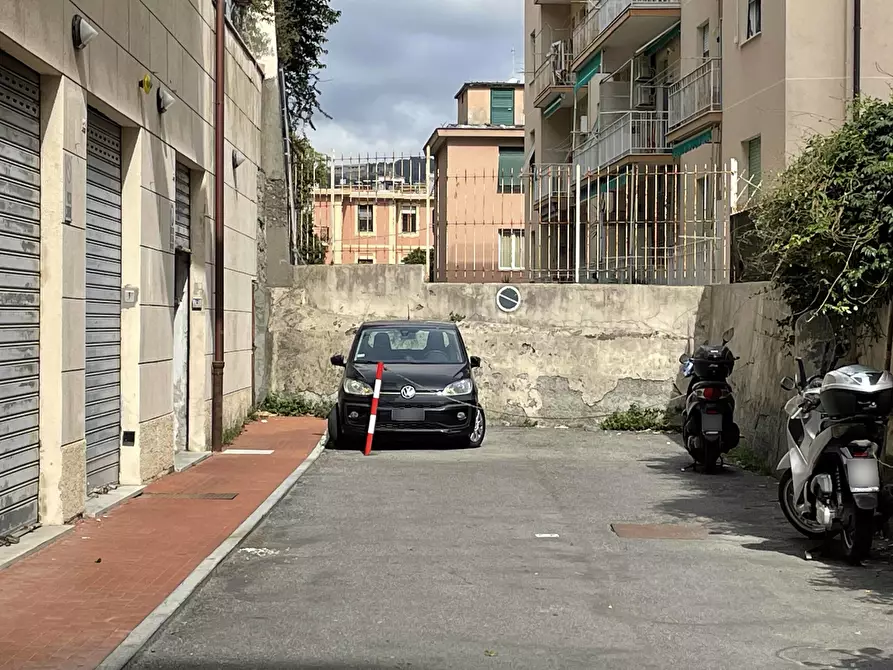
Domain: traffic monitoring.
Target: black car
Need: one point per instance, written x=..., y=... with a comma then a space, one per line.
x=426, y=389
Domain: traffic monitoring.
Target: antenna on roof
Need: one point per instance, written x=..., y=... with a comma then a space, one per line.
x=515, y=77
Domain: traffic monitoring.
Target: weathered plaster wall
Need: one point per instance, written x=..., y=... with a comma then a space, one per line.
x=571, y=352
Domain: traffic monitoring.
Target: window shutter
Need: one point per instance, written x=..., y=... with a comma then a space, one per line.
x=502, y=107
x=511, y=163
x=755, y=160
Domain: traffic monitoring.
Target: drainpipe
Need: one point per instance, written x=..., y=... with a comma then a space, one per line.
x=857, y=49
x=219, y=172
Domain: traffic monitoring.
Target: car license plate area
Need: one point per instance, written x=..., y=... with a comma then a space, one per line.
x=711, y=423
x=408, y=415
x=862, y=473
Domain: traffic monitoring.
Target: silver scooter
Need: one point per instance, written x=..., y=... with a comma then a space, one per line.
x=836, y=429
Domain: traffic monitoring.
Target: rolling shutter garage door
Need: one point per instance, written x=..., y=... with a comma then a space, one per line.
x=181, y=224
x=102, y=412
x=20, y=291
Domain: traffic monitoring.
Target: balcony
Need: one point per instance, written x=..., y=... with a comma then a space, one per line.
x=554, y=77
x=696, y=100
x=622, y=136
x=623, y=26
x=552, y=185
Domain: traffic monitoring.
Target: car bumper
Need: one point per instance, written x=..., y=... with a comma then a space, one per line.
x=436, y=415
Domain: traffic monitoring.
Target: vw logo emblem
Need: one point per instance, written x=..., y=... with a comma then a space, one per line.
x=407, y=392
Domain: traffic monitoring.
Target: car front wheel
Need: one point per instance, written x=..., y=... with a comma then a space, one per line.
x=478, y=431
x=334, y=430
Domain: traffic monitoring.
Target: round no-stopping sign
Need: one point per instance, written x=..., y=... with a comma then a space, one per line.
x=508, y=298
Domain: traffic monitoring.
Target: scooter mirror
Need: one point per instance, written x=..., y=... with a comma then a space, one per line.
x=788, y=384
x=684, y=358
x=728, y=335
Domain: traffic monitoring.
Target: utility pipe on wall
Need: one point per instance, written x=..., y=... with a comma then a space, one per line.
x=857, y=49
x=219, y=174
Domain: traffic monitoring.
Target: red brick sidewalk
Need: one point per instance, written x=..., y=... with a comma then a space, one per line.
x=72, y=603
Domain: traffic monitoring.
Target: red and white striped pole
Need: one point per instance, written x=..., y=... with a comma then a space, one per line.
x=375, y=393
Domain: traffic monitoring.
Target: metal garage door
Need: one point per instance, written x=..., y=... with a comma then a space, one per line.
x=103, y=269
x=19, y=293
x=181, y=222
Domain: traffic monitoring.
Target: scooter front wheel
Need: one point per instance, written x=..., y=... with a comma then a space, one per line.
x=811, y=529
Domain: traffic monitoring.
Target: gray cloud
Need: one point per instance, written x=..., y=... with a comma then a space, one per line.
x=394, y=66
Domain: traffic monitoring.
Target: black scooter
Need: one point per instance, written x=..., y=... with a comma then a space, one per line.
x=708, y=426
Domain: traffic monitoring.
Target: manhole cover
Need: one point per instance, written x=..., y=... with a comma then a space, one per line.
x=192, y=496
x=658, y=531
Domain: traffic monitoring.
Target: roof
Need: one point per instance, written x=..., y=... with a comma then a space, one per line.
x=499, y=132
x=489, y=84
x=404, y=322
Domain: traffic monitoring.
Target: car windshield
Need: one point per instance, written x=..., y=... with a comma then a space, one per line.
x=409, y=344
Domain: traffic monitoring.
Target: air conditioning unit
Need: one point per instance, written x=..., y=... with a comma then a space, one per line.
x=644, y=97
x=584, y=124
x=642, y=70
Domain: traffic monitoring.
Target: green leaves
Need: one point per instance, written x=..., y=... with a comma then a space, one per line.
x=825, y=226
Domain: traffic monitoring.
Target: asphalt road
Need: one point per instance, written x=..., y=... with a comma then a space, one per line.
x=431, y=559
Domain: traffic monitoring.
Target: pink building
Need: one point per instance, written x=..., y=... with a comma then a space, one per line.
x=479, y=229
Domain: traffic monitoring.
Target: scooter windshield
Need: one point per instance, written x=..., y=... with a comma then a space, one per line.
x=815, y=343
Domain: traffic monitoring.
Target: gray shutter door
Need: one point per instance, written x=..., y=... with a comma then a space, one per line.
x=19, y=294
x=181, y=222
x=102, y=412
x=755, y=160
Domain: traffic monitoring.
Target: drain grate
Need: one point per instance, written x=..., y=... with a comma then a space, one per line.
x=192, y=496
x=659, y=531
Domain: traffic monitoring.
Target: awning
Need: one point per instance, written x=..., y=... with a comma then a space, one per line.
x=662, y=40
x=588, y=70
x=553, y=107
x=692, y=143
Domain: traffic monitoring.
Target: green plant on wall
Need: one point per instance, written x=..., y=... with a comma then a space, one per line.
x=824, y=227
x=310, y=171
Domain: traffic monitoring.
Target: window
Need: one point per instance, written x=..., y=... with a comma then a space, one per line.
x=409, y=344
x=511, y=249
x=409, y=220
x=365, y=261
x=754, y=163
x=502, y=106
x=364, y=219
x=704, y=40
x=754, y=17
x=511, y=162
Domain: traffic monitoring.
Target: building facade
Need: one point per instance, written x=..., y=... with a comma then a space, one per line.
x=693, y=103
x=107, y=245
x=479, y=225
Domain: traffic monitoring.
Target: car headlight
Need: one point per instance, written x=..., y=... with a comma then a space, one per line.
x=356, y=387
x=461, y=387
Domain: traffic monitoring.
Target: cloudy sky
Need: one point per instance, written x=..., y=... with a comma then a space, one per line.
x=394, y=66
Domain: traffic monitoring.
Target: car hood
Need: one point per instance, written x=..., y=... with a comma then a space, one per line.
x=421, y=376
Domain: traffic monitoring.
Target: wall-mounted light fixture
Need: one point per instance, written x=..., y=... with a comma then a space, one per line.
x=82, y=33
x=165, y=101
x=238, y=158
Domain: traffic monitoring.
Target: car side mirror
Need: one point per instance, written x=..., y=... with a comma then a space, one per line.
x=788, y=384
x=684, y=358
x=728, y=335
x=475, y=361
x=338, y=361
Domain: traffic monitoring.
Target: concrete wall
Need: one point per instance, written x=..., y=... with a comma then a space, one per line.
x=574, y=352
x=172, y=40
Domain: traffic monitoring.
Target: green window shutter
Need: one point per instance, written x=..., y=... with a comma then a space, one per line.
x=755, y=161
x=502, y=106
x=511, y=163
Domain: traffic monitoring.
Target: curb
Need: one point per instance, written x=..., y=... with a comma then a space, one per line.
x=139, y=636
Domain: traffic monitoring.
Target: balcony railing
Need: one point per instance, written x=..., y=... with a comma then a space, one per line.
x=554, y=71
x=552, y=180
x=633, y=134
x=696, y=93
x=608, y=10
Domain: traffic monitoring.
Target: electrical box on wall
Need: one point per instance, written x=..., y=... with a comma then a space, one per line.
x=198, y=298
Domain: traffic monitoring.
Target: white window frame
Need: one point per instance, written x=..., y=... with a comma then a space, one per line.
x=371, y=219
x=753, y=11
x=365, y=260
x=512, y=235
x=409, y=209
x=704, y=35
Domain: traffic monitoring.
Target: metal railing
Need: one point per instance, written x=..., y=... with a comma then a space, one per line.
x=632, y=133
x=696, y=93
x=554, y=71
x=552, y=180
x=586, y=154
x=603, y=16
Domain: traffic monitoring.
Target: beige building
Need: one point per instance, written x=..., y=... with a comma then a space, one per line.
x=107, y=246
x=479, y=230
x=712, y=95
